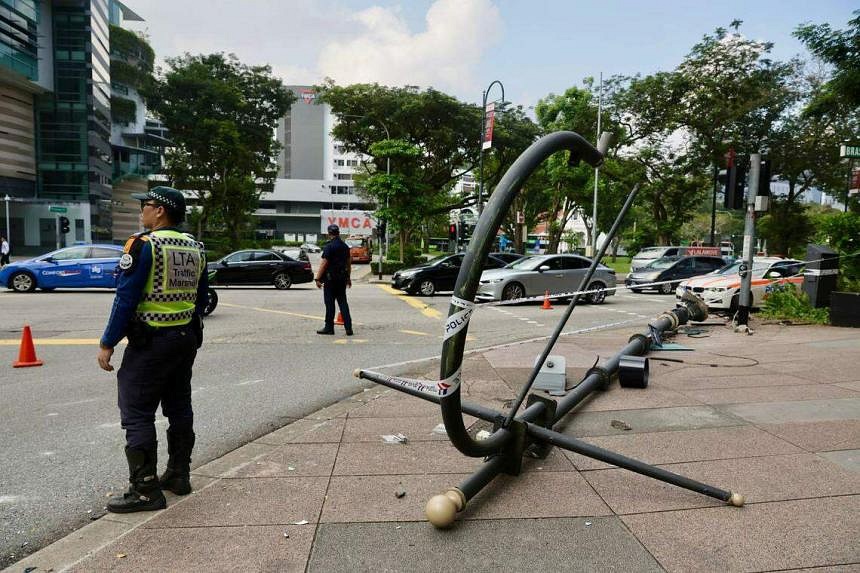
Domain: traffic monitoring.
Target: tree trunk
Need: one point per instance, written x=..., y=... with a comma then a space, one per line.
x=615, y=241
x=402, y=234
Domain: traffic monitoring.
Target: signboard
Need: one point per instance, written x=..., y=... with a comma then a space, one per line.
x=308, y=96
x=489, y=122
x=702, y=251
x=57, y=209
x=852, y=151
x=352, y=223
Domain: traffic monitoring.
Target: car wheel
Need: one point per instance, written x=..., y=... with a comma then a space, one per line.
x=667, y=288
x=636, y=290
x=22, y=282
x=598, y=297
x=426, y=287
x=211, y=302
x=733, y=306
x=283, y=281
x=513, y=291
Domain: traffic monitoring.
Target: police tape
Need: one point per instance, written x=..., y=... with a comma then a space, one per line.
x=435, y=388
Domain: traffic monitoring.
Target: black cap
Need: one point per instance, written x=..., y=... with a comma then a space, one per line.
x=333, y=230
x=172, y=200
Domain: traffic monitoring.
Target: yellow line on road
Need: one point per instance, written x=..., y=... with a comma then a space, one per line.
x=425, y=309
x=55, y=342
x=257, y=308
x=415, y=332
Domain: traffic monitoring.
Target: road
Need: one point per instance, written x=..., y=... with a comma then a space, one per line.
x=261, y=367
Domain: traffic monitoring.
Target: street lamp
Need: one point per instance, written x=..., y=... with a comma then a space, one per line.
x=481, y=141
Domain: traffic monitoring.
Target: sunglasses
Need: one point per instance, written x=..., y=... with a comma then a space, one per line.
x=143, y=205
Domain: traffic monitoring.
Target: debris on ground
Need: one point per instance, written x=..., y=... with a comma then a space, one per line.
x=400, y=493
x=394, y=439
x=482, y=435
x=440, y=429
x=620, y=425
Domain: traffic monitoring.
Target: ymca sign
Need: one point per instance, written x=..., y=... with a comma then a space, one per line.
x=351, y=222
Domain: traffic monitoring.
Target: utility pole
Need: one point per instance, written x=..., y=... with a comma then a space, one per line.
x=745, y=300
x=596, y=170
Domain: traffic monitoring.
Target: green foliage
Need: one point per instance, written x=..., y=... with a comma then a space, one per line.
x=841, y=232
x=840, y=49
x=221, y=114
x=127, y=44
x=786, y=303
x=412, y=256
x=787, y=227
x=122, y=72
x=122, y=110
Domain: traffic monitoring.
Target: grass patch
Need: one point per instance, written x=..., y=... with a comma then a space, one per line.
x=620, y=266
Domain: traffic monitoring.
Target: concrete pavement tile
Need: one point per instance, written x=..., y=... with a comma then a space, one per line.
x=234, y=460
x=653, y=420
x=306, y=431
x=618, y=398
x=416, y=429
x=757, y=537
x=806, y=411
x=258, y=501
x=396, y=406
x=849, y=459
x=853, y=568
x=681, y=381
x=411, y=458
x=687, y=446
x=198, y=484
x=824, y=372
x=852, y=343
x=514, y=377
x=476, y=366
x=534, y=495
x=850, y=385
x=490, y=393
x=70, y=549
x=818, y=436
x=770, y=478
x=769, y=394
x=489, y=545
x=207, y=549
x=304, y=459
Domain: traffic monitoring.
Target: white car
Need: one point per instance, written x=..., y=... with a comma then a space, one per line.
x=720, y=289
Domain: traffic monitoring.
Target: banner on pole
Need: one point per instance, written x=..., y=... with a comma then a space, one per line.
x=490, y=111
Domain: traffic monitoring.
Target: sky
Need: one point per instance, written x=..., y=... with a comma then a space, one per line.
x=533, y=47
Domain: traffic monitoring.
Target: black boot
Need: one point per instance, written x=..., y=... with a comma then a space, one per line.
x=144, y=493
x=326, y=330
x=177, y=476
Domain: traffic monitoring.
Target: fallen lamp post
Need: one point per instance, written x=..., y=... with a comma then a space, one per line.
x=531, y=431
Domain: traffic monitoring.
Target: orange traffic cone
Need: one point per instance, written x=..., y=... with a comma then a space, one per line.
x=546, y=303
x=339, y=319
x=27, y=353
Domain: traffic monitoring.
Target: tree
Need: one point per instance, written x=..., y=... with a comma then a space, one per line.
x=786, y=227
x=840, y=49
x=221, y=114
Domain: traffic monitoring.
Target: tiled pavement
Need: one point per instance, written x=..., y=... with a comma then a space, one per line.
x=774, y=416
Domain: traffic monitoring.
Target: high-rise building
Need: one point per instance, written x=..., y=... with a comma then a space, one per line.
x=56, y=108
x=314, y=172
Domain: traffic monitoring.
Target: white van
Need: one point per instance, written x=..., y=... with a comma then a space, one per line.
x=644, y=257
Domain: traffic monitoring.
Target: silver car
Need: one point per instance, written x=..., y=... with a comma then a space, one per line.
x=536, y=275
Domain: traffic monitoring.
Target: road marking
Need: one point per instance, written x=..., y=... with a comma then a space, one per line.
x=75, y=403
x=534, y=322
x=55, y=342
x=425, y=309
x=248, y=382
x=273, y=311
x=415, y=332
x=350, y=341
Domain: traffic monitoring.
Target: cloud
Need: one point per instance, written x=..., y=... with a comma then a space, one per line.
x=444, y=55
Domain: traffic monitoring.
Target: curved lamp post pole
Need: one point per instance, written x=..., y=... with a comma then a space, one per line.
x=481, y=141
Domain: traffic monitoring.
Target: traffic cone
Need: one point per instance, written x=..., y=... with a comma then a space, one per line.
x=546, y=303
x=27, y=353
x=339, y=319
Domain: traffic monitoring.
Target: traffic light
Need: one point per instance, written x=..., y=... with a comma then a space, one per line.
x=734, y=180
x=64, y=225
x=452, y=231
x=380, y=229
x=764, y=178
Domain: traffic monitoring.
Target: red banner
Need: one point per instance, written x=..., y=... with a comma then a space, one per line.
x=488, y=126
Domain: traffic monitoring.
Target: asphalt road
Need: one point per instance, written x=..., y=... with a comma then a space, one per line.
x=261, y=367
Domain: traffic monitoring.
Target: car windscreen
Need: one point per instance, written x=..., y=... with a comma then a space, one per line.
x=528, y=264
x=649, y=252
x=663, y=263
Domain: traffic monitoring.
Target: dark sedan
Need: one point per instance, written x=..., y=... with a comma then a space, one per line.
x=671, y=271
x=436, y=274
x=260, y=267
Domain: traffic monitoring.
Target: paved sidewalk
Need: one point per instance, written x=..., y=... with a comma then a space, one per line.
x=774, y=416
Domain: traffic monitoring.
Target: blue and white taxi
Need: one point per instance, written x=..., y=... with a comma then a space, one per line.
x=720, y=289
x=81, y=266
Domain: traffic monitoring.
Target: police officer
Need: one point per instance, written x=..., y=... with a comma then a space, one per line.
x=334, y=277
x=160, y=296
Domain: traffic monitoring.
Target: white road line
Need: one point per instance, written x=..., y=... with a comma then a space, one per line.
x=248, y=382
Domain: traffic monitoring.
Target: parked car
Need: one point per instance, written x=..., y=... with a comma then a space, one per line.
x=359, y=250
x=720, y=289
x=311, y=248
x=81, y=266
x=297, y=253
x=260, y=267
x=509, y=257
x=535, y=275
x=672, y=269
x=436, y=274
x=646, y=256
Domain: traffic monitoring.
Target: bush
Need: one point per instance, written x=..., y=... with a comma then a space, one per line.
x=841, y=231
x=786, y=303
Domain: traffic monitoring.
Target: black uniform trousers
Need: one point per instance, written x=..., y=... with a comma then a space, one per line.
x=157, y=371
x=335, y=290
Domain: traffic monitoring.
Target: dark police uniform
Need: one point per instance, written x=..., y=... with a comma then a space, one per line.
x=336, y=253
x=161, y=293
